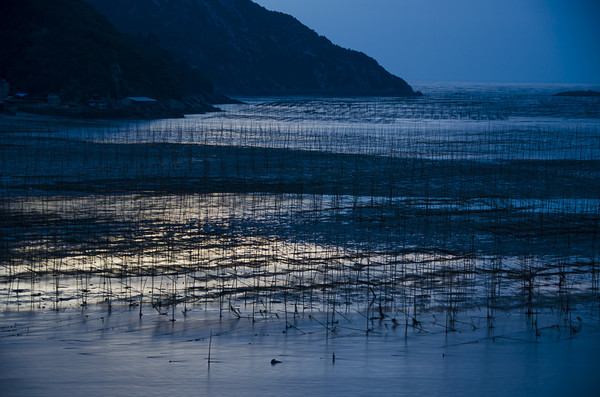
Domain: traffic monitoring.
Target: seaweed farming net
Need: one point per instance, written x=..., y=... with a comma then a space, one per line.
x=294, y=205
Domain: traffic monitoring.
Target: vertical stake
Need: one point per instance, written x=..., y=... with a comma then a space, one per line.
x=209, y=346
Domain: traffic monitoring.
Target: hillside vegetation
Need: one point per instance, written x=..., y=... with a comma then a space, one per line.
x=66, y=47
x=246, y=49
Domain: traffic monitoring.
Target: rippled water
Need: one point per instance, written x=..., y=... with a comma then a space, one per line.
x=474, y=210
x=54, y=354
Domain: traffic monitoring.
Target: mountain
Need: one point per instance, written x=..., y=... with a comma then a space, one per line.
x=246, y=49
x=68, y=48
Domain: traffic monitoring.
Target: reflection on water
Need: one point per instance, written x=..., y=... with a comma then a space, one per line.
x=446, y=243
x=463, y=198
x=246, y=253
x=121, y=354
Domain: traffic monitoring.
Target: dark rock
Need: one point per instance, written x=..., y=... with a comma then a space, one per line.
x=588, y=93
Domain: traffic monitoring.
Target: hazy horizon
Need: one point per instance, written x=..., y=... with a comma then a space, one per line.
x=538, y=41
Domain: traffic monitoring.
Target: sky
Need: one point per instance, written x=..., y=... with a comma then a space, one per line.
x=538, y=41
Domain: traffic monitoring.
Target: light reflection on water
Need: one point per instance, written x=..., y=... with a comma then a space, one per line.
x=476, y=273
x=230, y=249
x=121, y=354
x=452, y=122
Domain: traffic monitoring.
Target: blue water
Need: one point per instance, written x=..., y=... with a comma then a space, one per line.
x=91, y=352
x=475, y=121
x=64, y=353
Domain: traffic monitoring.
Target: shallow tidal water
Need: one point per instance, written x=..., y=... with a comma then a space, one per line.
x=70, y=353
x=444, y=245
